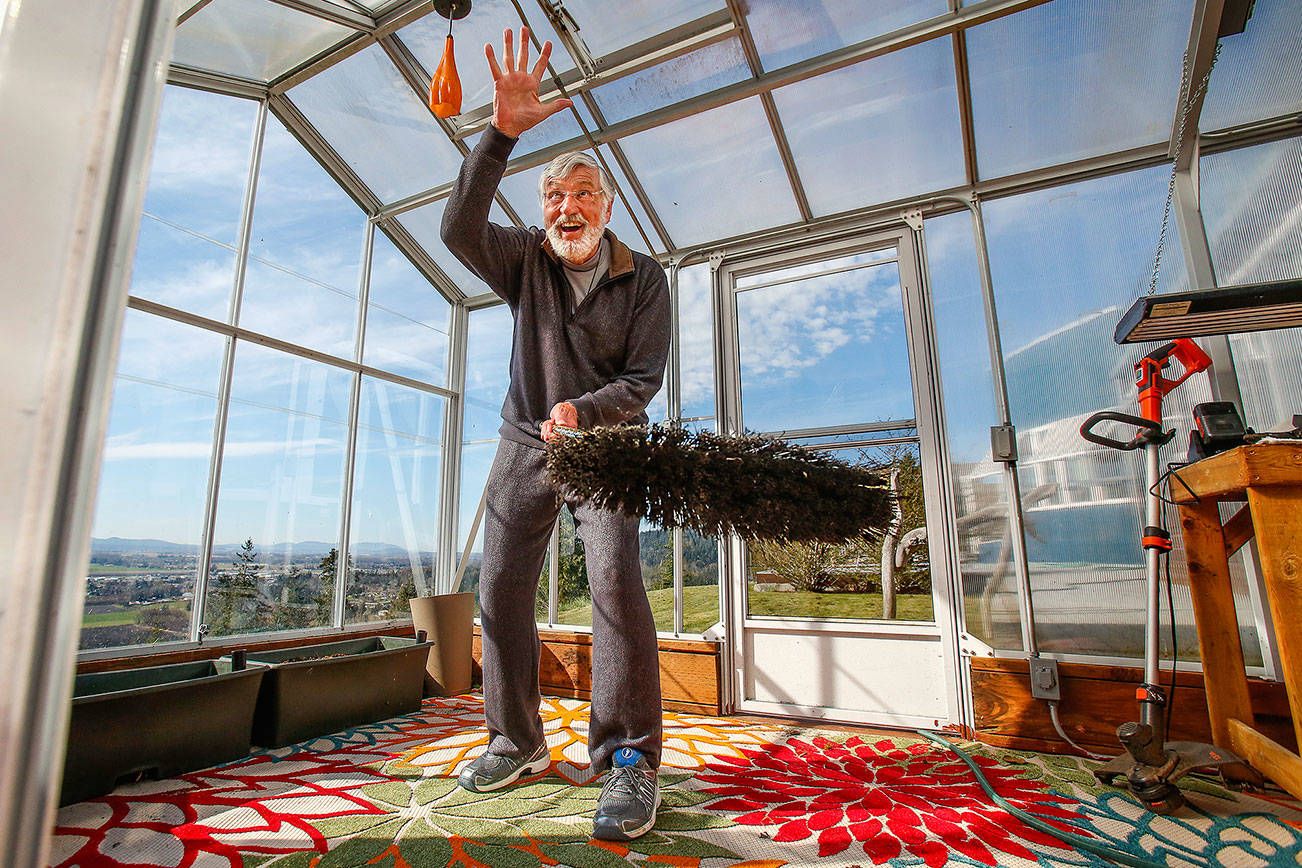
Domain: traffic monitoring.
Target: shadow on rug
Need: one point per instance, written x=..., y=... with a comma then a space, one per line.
x=736, y=793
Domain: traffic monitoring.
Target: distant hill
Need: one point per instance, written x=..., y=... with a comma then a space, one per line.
x=279, y=551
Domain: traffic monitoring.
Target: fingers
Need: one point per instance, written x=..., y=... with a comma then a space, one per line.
x=508, y=50
x=555, y=106
x=524, y=49
x=540, y=68
x=548, y=430
x=492, y=63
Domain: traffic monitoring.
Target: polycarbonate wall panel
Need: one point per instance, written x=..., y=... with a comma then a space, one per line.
x=149, y=512
x=379, y=125
x=407, y=320
x=788, y=31
x=1252, y=208
x=683, y=77
x=980, y=493
x=427, y=37
x=880, y=130
x=825, y=350
x=1258, y=74
x=253, y=38
x=305, y=253
x=603, y=32
x=395, y=515
x=1074, y=79
x=278, y=510
x=714, y=175
x=1067, y=262
x=185, y=252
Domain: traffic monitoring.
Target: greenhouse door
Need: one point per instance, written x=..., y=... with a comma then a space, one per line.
x=829, y=347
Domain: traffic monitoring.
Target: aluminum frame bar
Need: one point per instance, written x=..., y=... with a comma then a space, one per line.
x=1200, y=54
x=328, y=11
x=453, y=420
x=216, y=82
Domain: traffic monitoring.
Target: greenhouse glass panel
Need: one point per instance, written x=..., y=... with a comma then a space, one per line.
x=253, y=38
x=305, y=253
x=843, y=581
x=884, y=129
x=683, y=77
x=185, y=250
x=788, y=31
x=825, y=350
x=696, y=342
x=1057, y=82
x=407, y=319
x=980, y=493
x=1067, y=262
x=714, y=175
x=149, y=511
x=427, y=37
x=628, y=210
x=1252, y=207
x=603, y=32
x=395, y=516
x=424, y=225
x=1257, y=75
x=278, y=509
x=378, y=124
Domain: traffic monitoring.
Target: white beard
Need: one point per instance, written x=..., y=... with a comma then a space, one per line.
x=578, y=250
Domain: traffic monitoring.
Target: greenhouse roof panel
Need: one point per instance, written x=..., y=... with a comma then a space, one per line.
x=602, y=31
x=789, y=31
x=378, y=124
x=682, y=77
x=253, y=39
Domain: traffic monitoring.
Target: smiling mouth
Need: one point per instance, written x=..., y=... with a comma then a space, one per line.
x=571, y=229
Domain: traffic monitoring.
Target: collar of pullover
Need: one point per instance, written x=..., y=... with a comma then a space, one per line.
x=621, y=258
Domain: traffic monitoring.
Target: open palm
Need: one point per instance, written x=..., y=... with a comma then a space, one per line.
x=516, y=106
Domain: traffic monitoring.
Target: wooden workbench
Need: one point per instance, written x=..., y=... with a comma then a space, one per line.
x=1269, y=478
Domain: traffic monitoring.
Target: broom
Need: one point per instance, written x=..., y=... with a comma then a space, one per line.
x=713, y=484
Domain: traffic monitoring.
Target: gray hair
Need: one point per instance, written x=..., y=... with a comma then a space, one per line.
x=561, y=166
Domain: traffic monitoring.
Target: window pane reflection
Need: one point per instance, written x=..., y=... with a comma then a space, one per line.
x=395, y=516
x=153, y=483
x=278, y=511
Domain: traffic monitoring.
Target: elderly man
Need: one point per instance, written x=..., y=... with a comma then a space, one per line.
x=590, y=340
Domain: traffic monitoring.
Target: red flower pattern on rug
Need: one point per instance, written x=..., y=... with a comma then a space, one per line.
x=886, y=797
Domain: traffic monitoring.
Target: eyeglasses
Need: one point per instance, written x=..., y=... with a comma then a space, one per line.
x=582, y=197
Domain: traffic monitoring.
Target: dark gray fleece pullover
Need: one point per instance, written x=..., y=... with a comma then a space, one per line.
x=606, y=356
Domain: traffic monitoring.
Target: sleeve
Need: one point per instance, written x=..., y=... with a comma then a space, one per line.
x=648, y=349
x=494, y=253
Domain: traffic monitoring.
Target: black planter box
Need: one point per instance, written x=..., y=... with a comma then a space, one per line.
x=156, y=722
x=316, y=690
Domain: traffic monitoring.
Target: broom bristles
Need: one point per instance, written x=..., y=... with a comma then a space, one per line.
x=714, y=484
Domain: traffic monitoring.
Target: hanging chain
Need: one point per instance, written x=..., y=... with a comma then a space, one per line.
x=1175, y=159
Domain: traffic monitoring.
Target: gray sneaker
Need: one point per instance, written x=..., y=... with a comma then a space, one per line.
x=626, y=808
x=490, y=771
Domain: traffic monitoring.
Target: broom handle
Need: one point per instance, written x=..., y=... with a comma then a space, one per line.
x=474, y=532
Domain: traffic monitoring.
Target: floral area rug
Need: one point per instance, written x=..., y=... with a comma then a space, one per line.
x=735, y=793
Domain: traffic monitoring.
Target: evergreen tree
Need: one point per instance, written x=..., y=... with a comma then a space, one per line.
x=233, y=596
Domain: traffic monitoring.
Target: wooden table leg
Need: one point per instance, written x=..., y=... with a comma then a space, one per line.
x=1277, y=515
x=1224, y=678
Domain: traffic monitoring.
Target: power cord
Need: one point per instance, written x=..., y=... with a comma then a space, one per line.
x=1088, y=845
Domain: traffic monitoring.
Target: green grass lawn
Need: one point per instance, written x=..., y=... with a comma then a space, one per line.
x=809, y=604
x=120, y=615
x=701, y=607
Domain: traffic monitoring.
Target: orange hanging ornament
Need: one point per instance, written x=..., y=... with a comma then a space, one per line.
x=445, y=87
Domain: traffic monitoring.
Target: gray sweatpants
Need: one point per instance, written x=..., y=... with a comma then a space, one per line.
x=522, y=505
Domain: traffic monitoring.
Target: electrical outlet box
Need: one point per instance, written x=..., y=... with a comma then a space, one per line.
x=1003, y=443
x=1044, y=679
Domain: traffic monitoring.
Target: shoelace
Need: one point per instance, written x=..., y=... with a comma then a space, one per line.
x=630, y=781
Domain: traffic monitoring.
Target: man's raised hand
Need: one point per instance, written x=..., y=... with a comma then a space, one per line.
x=516, y=106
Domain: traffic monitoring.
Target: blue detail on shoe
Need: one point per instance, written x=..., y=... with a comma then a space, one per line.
x=626, y=756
